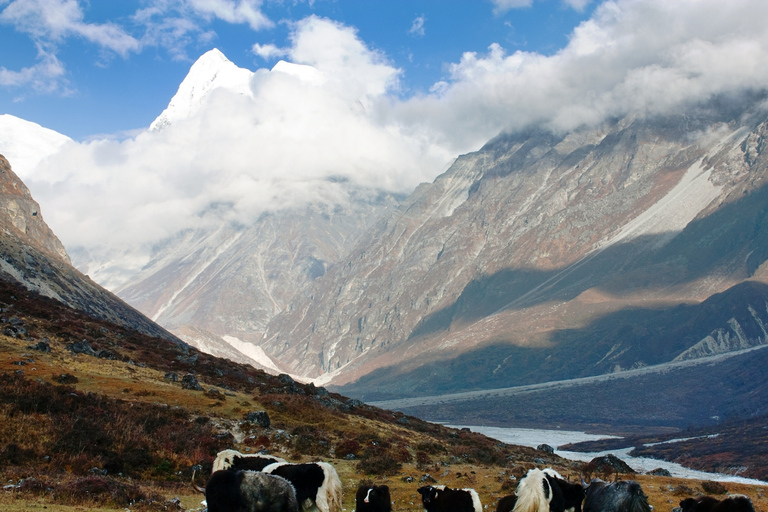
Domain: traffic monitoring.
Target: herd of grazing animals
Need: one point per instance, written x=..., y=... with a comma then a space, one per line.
x=262, y=483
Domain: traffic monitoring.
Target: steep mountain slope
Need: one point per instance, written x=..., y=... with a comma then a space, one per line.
x=219, y=289
x=540, y=234
x=31, y=254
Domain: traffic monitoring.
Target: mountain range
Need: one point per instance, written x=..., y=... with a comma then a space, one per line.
x=545, y=255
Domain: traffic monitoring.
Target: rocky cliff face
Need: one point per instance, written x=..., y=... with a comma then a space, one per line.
x=539, y=233
x=230, y=282
x=21, y=214
x=32, y=255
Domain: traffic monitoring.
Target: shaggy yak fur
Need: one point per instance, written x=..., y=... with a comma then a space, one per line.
x=444, y=499
x=249, y=491
x=317, y=484
x=233, y=459
x=545, y=491
x=622, y=496
x=710, y=504
x=373, y=498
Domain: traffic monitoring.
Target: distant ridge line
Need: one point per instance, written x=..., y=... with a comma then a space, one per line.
x=405, y=403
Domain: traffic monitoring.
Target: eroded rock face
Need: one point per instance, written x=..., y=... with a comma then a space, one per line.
x=536, y=232
x=32, y=255
x=19, y=211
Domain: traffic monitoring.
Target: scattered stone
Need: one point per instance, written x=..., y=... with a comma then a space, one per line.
x=610, y=463
x=188, y=360
x=173, y=504
x=354, y=402
x=172, y=376
x=107, y=354
x=351, y=456
x=260, y=418
x=15, y=331
x=189, y=381
x=408, y=479
x=659, y=472
x=403, y=420
x=427, y=478
x=286, y=380
x=81, y=347
x=42, y=345
x=545, y=448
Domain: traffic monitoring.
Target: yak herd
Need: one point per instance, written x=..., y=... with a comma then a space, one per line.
x=262, y=483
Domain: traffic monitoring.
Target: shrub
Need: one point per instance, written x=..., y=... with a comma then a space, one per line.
x=431, y=448
x=103, y=491
x=347, y=447
x=308, y=440
x=711, y=487
x=381, y=464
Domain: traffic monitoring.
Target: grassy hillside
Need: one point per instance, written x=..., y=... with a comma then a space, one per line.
x=111, y=428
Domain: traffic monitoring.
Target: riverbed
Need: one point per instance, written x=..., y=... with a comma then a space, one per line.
x=556, y=438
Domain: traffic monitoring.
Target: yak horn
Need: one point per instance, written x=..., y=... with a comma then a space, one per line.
x=197, y=487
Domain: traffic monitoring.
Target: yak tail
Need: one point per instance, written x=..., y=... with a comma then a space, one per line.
x=637, y=501
x=329, y=494
x=531, y=493
x=195, y=486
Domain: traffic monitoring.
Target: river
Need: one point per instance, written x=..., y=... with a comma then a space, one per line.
x=556, y=438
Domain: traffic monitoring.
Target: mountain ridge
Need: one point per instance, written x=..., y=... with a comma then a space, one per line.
x=592, y=183
x=33, y=256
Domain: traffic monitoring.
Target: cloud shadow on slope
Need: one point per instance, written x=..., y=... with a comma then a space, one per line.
x=733, y=239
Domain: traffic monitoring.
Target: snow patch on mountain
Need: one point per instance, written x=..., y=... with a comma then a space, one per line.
x=25, y=144
x=255, y=352
x=211, y=71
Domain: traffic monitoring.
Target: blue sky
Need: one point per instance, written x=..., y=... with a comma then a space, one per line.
x=104, y=85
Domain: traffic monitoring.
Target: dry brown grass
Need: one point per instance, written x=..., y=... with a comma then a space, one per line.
x=305, y=426
x=662, y=491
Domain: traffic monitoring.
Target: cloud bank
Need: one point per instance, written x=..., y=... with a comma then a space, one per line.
x=333, y=115
x=649, y=55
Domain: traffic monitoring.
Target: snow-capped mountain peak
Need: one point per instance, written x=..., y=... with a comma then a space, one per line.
x=211, y=71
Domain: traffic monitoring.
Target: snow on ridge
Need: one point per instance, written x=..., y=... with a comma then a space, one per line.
x=25, y=144
x=211, y=71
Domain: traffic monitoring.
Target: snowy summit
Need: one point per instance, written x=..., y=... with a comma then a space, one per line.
x=211, y=71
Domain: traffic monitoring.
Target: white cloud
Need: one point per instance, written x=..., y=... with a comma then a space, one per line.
x=505, y=5
x=651, y=55
x=417, y=27
x=242, y=11
x=54, y=20
x=45, y=76
x=578, y=5
x=268, y=51
x=333, y=109
x=502, y=6
x=309, y=126
x=170, y=24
